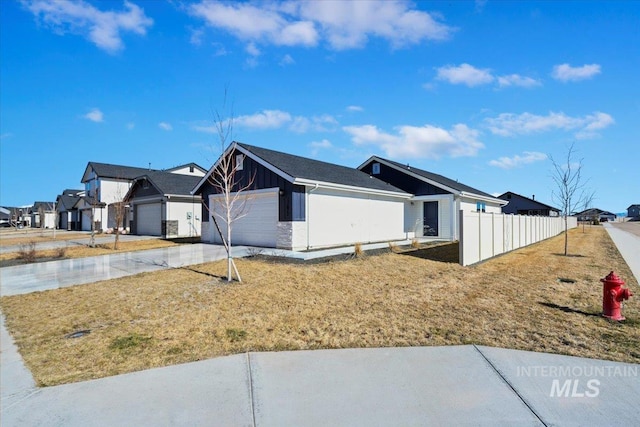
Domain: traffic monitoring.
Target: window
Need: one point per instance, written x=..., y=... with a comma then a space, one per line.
x=375, y=169
x=481, y=207
x=191, y=169
x=239, y=162
x=145, y=184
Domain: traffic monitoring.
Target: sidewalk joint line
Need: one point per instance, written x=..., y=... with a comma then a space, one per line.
x=253, y=411
x=522, y=399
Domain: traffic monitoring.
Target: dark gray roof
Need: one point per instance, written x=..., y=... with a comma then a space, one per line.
x=439, y=179
x=71, y=192
x=47, y=206
x=315, y=170
x=503, y=196
x=106, y=170
x=67, y=202
x=171, y=183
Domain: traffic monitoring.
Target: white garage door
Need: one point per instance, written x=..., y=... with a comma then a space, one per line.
x=149, y=219
x=259, y=227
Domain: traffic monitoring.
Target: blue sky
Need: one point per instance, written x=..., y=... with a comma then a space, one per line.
x=483, y=92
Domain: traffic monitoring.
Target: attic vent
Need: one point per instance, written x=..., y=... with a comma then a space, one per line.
x=145, y=184
x=239, y=162
x=375, y=169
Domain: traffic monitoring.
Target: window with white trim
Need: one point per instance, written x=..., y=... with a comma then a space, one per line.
x=239, y=162
x=481, y=207
x=375, y=169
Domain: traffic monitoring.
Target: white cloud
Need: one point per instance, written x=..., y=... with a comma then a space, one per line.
x=252, y=23
x=266, y=119
x=517, y=160
x=465, y=74
x=324, y=123
x=567, y=73
x=342, y=24
x=355, y=108
x=287, y=60
x=517, y=80
x=165, y=126
x=196, y=36
x=509, y=124
x=252, y=50
x=95, y=115
x=276, y=119
x=426, y=141
x=101, y=28
x=316, y=146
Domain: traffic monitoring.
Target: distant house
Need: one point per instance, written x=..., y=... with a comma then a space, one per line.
x=5, y=216
x=299, y=203
x=593, y=213
x=66, y=207
x=43, y=215
x=521, y=205
x=433, y=209
x=161, y=204
x=633, y=211
x=107, y=184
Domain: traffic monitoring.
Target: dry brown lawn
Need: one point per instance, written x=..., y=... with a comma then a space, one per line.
x=37, y=236
x=156, y=319
x=77, y=251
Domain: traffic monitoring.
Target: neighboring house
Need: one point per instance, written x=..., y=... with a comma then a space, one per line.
x=107, y=184
x=68, y=213
x=433, y=211
x=521, y=205
x=19, y=216
x=43, y=215
x=5, y=216
x=161, y=204
x=593, y=213
x=633, y=211
x=299, y=203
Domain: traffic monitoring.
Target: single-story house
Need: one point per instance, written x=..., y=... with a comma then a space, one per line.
x=633, y=211
x=433, y=210
x=593, y=213
x=521, y=205
x=293, y=202
x=68, y=213
x=161, y=204
x=43, y=215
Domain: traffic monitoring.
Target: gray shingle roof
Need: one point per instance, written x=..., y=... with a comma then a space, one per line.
x=315, y=170
x=66, y=202
x=439, y=179
x=503, y=196
x=106, y=170
x=171, y=183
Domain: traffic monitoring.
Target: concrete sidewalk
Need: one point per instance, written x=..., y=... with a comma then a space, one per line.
x=458, y=385
x=628, y=245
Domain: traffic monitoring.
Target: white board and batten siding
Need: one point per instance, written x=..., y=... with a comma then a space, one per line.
x=343, y=217
x=259, y=224
x=149, y=219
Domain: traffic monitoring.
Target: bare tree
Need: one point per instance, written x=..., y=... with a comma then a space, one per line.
x=119, y=213
x=230, y=204
x=569, y=192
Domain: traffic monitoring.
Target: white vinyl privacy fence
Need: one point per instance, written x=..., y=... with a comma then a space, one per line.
x=485, y=235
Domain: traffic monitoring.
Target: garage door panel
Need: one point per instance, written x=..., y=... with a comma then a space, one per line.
x=258, y=226
x=149, y=219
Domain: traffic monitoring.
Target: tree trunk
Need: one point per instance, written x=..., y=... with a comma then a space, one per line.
x=566, y=235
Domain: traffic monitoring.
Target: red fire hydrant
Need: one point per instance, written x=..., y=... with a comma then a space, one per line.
x=612, y=296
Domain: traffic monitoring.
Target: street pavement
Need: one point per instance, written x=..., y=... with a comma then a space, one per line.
x=456, y=385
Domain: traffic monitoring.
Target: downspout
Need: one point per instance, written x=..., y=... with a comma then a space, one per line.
x=308, y=211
